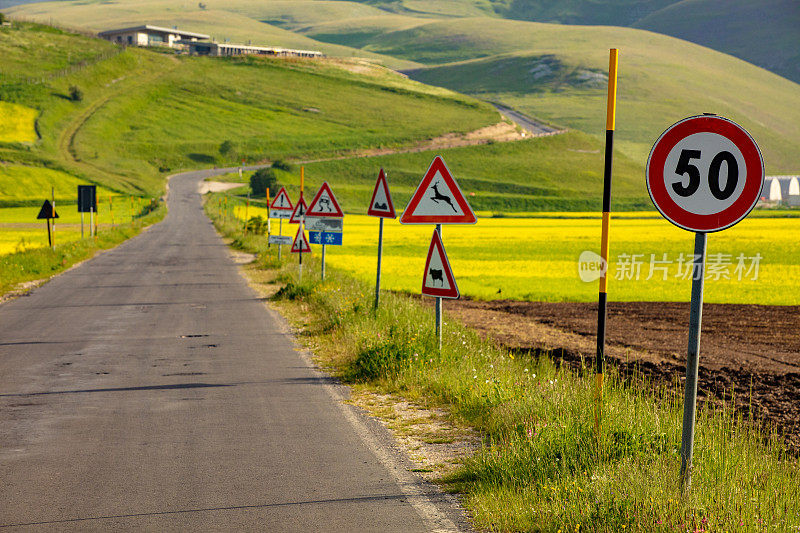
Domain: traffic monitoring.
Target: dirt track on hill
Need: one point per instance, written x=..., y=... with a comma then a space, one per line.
x=741, y=347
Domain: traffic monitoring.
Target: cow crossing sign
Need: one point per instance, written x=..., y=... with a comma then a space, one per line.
x=438, y=279
x=438, y=199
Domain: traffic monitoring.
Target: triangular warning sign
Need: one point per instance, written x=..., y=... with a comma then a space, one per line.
x=282, y=201
x=47, y=211
x=300, y=244
x=381, y=204
x=300, y=209
x=438, y=199
x=324, y=204
x=438, y=279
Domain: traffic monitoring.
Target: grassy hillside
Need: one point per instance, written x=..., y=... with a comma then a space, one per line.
x=765, y=33
x=558, y=73
x=267, y=109
x=558, y=173
x=145, y=114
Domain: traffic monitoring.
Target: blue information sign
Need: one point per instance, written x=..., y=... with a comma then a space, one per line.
x=325, y=237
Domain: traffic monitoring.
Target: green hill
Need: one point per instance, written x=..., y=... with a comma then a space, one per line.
x=558, y=73
x=765, y=33
x=144, y=114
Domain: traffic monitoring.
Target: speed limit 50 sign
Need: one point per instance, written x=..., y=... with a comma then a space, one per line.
x=705, y=173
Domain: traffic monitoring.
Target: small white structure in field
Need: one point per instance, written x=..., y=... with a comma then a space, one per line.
x=782, y=189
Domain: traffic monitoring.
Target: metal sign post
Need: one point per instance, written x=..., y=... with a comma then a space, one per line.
x=693, y=359
x=53, y=203
x=323, y=263
x=246, y=211
x=381, y=206
x=380, y=257
x=300, y=275
x=439, y=303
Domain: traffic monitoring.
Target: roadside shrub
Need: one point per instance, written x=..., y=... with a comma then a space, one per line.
x=261, y=179
x=380, y=360
x=226, y=148
x=75, y=94
x=292, y=291
x=280, y=164
x=257, y=225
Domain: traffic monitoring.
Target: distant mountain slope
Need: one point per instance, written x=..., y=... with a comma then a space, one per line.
x=558, y=73
x=764, y=32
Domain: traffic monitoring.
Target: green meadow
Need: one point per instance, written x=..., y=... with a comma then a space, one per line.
x=266, y=109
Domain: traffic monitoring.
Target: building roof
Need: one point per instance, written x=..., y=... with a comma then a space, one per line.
x=158, y=29
x=275, y=49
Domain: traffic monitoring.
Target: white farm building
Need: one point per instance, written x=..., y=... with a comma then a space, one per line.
x=782, y=190
x=147, y=35
x=195, y=43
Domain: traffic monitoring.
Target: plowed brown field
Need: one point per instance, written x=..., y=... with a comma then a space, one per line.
x=750, y=353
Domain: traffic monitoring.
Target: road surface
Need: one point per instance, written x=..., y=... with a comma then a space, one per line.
x=151, y=389
x=537, y=128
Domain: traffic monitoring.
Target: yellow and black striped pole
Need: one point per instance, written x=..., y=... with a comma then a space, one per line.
x=603, y=297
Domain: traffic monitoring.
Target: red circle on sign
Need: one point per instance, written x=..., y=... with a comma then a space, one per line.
x=684, y=218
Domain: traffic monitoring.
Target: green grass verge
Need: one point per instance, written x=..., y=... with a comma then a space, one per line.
x=30, y=265
x=540, y=468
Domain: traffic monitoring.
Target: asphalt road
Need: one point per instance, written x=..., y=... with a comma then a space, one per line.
x=537, y=128
x=151, y=389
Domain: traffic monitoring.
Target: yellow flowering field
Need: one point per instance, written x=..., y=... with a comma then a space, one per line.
x=17, y=123
x=757, y=261
x=20, y=230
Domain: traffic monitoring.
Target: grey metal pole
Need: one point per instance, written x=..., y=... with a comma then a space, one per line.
x=380, y=257
x=91, y=222
x=280, y=233
x=439, y=304
x=323, y=262
x=81, y=224
x=300, y=275
x=53, y=198
x=692, y=360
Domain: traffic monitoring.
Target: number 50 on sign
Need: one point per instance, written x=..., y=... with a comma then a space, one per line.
x=705, y=173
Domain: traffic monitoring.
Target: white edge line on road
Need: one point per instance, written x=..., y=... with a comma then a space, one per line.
x=434, y=519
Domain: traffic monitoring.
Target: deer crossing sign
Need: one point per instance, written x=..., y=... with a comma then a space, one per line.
x=438, y=199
